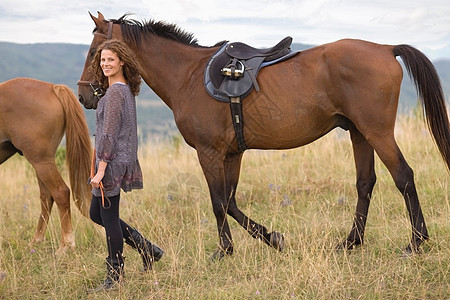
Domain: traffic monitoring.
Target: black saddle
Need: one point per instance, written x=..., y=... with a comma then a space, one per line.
x=232, y=70
x=231, y=74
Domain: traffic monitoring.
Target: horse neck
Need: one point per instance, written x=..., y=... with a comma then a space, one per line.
x=167, y=66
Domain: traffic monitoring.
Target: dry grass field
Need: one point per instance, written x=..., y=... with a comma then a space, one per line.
x=306, y=193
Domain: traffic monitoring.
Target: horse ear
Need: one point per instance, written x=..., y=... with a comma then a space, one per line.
x=100, y=16
x=92, y=17
x=96, y=20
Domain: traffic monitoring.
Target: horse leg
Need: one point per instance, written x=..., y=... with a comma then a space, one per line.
x=365, y=181
x=51, y=178
x=388, y=151
x=213, y=169
x=46, y=208
x=232, y=170
x=6, y=151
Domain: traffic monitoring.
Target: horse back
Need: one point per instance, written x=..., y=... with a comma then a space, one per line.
x=322, y=88
x=350, y=59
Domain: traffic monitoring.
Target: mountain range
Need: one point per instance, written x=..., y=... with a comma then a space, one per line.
x=63, y=64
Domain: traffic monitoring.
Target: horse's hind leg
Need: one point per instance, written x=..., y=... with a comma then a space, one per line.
x=232, y=170
x=365, y=181
x=50, y=177
x=6, y=151
x=46, y=208
x=403, y=176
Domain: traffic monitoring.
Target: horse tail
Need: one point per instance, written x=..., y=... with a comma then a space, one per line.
x=429, y=89
x=78, y=148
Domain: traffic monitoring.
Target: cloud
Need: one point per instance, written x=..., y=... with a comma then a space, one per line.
x=262, y=23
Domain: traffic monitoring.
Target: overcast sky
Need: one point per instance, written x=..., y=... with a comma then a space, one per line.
x=424, y=24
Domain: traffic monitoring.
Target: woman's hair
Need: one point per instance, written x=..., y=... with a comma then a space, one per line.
x=130, y=67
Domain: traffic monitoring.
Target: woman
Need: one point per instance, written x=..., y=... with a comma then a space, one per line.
x=117, y=166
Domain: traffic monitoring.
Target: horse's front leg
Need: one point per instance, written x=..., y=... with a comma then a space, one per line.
x=232, y=166
x=213, y=169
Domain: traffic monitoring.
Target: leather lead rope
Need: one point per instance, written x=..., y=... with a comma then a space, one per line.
x=101, y=183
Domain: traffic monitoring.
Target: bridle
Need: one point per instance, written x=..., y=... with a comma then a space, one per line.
x=96, y=89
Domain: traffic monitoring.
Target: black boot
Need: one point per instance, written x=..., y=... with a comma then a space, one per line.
x=114, y=277
x=149, y=252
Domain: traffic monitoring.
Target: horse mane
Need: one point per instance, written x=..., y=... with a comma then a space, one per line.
x=134, y=30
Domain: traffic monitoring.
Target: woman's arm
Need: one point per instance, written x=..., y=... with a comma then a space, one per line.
x=95, y=182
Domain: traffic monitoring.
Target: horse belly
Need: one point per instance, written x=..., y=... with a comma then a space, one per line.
x=291, y=126
x=293, y=107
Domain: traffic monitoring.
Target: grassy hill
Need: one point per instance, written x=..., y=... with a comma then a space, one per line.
x=306, y=193
x=63, y=63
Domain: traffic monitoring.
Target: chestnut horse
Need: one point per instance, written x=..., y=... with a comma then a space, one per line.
x=351, y=84
x=34, y=115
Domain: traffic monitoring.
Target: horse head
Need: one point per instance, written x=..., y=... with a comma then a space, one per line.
x=89, y=91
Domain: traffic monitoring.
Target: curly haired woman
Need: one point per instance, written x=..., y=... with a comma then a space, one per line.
x=116, y=163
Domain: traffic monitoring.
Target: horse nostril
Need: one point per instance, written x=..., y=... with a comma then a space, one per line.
x=80, y=98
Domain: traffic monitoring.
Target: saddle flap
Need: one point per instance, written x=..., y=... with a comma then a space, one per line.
x=233, y=88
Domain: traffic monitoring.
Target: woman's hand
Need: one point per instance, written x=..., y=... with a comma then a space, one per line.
x=95, y=182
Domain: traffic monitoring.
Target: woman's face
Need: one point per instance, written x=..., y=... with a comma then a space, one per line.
x=110, y=63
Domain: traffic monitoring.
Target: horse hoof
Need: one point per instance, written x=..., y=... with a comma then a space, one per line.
x=346, y=245
x=219, y=254
x=37, y=239
x=411, y=250
x=277, y=241
x=63, y=249
x=342, y=246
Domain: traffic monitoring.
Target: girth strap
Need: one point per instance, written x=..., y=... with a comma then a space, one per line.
x=238, y=122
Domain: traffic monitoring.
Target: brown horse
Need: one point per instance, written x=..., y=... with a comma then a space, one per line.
x=34, y=115
x=351, y=84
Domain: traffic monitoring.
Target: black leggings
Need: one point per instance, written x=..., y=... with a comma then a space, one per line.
x=115, y=228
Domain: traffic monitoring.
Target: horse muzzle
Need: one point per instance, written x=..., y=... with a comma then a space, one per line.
x=89, y=93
